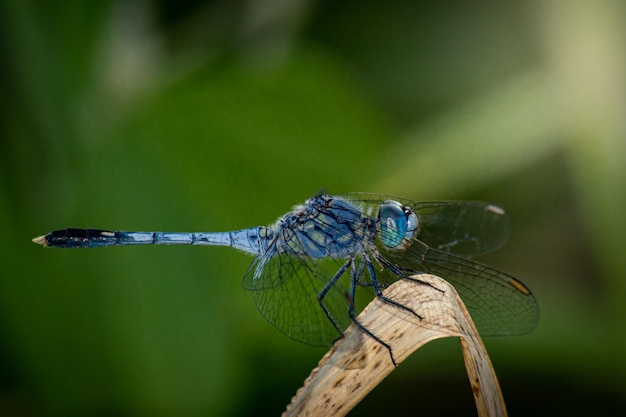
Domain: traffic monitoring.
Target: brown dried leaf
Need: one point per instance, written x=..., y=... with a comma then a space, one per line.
x=357, y=363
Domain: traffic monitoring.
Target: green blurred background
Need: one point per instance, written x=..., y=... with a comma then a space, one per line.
x=216, y=115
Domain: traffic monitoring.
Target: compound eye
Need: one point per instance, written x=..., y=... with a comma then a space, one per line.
x=397, y=224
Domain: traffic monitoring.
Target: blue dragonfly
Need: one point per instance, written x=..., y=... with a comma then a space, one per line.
x=308, y=265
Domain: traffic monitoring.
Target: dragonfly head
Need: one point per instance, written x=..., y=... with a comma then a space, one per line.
x=397, y=224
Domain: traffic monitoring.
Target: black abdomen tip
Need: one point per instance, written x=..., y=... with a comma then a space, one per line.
x=77, y=238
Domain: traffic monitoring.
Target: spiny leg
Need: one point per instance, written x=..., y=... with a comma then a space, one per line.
x=378, y=291
x=327, y=287
x=355, y=279
x=402, y=272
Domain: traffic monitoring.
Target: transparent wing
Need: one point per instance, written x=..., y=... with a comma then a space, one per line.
x=500, y=304
x=463, y=228
x=285, y=289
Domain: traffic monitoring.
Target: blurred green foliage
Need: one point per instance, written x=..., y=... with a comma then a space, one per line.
x=157, y=115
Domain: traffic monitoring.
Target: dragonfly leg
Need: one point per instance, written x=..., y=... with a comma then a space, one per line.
x=379, y=293
x=327, y=287
x=403, y=273
x=355, y=279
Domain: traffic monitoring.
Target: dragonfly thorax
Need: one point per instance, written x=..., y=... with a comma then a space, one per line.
x=325, y=226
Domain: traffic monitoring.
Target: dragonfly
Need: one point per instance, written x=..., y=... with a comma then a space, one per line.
x=310, y=263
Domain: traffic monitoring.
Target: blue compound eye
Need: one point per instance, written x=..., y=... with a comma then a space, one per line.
x=397, y=224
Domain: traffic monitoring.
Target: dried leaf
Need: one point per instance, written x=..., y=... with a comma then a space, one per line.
x=357, y=363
